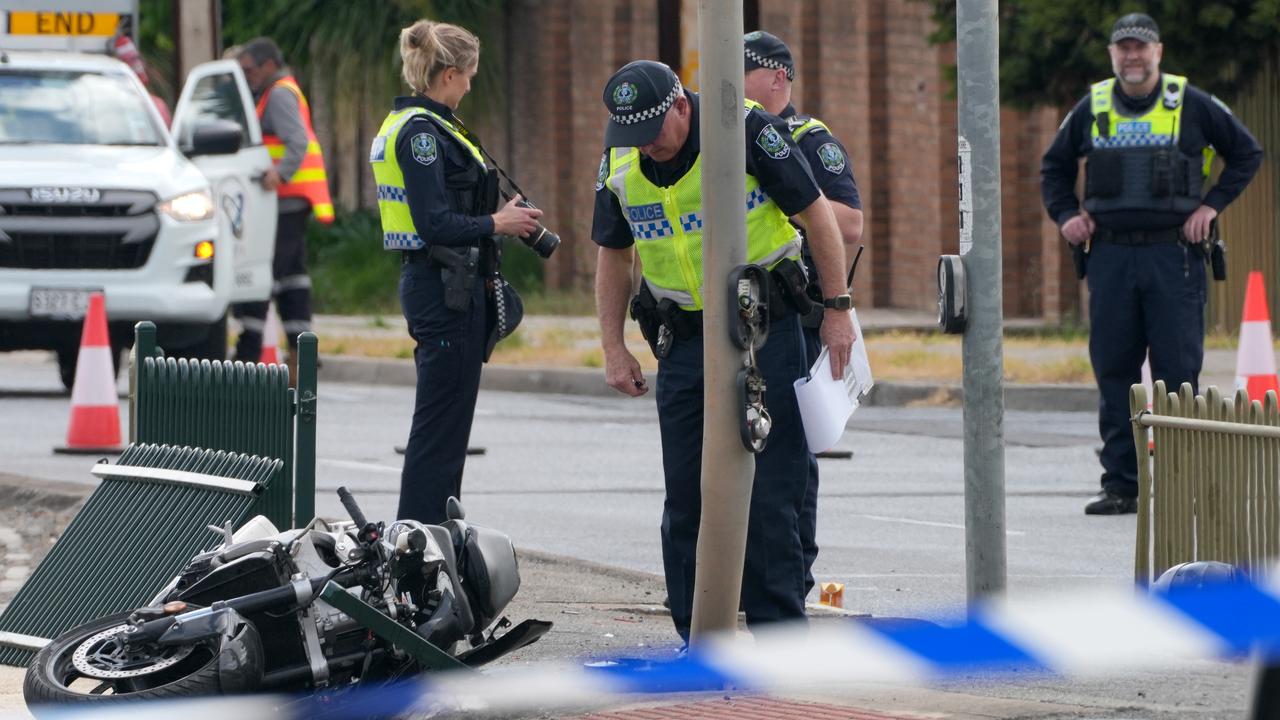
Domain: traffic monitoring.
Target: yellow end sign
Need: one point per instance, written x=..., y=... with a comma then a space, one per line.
x=63, y=23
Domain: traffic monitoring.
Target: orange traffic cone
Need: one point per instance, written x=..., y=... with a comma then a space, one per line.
x=1255, y=357
x=271, y=338
x=95, y=411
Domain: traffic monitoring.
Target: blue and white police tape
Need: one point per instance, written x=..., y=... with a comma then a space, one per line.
x=1081, y=635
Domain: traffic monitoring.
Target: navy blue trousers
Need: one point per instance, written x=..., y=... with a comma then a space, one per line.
x=809, y=508
x=1141, y=298
x=773, y=576
x=448, y=356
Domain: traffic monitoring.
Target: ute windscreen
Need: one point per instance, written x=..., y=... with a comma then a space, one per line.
x=73, y=108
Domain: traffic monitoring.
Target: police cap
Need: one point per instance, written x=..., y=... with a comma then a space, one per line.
x=764, y=50
x=638, y=97
x=1138, y=26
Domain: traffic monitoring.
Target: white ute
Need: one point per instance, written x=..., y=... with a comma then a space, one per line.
x=96, y=194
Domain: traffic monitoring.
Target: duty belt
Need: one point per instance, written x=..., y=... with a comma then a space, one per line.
x=436, y=256
x=1140, y=237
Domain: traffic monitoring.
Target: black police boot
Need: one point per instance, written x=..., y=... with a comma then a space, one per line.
x=1109, y=503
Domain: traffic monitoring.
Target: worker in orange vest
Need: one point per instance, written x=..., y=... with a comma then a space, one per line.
x=299, y=180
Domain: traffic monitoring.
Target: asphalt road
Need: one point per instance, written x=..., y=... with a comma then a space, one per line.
x=581, y=477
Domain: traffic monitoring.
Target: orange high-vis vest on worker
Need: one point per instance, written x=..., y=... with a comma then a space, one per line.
x=309, y=181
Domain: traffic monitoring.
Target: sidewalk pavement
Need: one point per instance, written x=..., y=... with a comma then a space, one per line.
x=1219, y=365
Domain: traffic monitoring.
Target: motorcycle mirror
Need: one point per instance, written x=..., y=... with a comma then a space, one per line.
x=453, y=509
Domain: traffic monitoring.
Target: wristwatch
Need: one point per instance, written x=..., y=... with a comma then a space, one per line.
x=839, y=302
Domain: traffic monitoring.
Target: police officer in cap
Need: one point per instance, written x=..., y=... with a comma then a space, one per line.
x=1149, y=139
x=438, y=201
x=769, y=74
x=649, y=201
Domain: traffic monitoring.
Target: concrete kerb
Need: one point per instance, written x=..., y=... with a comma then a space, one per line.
x=590, y=382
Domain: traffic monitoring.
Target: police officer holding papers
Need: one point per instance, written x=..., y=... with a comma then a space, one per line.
x=1149, y=139
x=649, y=201
x=437, y=198
x=770, y=70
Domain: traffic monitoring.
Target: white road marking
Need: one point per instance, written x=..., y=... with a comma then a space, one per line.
x=909, y=521
x=354, y=465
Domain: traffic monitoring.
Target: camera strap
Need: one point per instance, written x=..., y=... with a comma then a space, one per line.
x=475, y=140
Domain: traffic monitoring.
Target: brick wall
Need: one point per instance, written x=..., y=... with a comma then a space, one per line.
x=865, y=68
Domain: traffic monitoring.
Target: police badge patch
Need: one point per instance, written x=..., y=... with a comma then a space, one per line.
x=604, y=171
x=832, y=158
x=424, y=148
x=772, y=143
x=625, y=94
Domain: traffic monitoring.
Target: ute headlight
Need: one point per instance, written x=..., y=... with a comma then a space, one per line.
x=191, y=207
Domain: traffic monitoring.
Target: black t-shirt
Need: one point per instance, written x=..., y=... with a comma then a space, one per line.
x=829, y=161
x=1205, y=122
x=435, y=164
x=783, y=174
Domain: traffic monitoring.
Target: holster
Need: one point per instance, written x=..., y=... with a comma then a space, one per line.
x=460, y=270
x=1080, y=259
x=644, y=310
x=1216, y=252
x=792, y=286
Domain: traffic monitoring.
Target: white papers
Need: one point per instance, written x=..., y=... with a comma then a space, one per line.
x=826, y=404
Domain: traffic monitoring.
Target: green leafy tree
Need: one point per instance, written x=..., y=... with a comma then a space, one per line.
x=351, y=46
x=1051, y=50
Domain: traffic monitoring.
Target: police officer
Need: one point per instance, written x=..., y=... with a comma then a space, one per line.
x=1148, y=138
x=770, y=71
x=437, y=198
x=300, y=183
x=649, y=201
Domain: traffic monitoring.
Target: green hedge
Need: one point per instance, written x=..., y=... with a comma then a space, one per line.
x=351, y=274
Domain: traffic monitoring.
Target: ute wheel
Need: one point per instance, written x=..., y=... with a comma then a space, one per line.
x=213, y=346
x=89, y=665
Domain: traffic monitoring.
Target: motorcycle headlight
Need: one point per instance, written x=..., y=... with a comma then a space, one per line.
x=191, y=207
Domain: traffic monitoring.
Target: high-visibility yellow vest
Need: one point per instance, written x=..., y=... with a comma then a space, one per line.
x=666, y=223
x=398, y=230
x=1135, y=163
x=309, y=181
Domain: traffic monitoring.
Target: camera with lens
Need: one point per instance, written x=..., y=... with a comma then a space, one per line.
x=541, y=240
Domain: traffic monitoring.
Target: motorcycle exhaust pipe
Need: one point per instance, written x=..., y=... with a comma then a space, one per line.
x=297, y=593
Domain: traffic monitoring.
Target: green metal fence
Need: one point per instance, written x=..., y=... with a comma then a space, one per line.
x=148, y=516
x=236, y=407
x=1211, y=489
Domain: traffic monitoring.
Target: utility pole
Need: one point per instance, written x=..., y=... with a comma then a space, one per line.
x=197, y=33
x=727, y=468
x=978, y=86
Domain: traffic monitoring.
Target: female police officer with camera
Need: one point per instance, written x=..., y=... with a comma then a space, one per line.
x=437, y=198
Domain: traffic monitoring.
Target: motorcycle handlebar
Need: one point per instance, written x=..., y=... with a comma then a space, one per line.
x=349, y=502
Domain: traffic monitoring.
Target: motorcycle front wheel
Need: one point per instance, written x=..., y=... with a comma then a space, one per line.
x=89, y=664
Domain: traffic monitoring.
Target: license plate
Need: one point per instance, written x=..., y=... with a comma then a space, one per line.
x=60, y=303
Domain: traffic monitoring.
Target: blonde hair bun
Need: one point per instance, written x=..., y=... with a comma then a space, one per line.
x=428, y=47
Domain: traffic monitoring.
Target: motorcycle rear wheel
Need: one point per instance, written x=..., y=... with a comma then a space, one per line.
x=57, y=676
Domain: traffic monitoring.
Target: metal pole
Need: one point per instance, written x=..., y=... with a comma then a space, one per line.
x=977, y=58
x=727, y=468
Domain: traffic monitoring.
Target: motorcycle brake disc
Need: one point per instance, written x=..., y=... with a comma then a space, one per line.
x=97, y=654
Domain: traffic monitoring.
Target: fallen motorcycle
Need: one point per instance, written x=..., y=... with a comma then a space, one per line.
x=331, y=605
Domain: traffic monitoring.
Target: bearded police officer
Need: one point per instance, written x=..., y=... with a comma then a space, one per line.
x=1149, y=139
x=770, y=71
x=649, y=198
